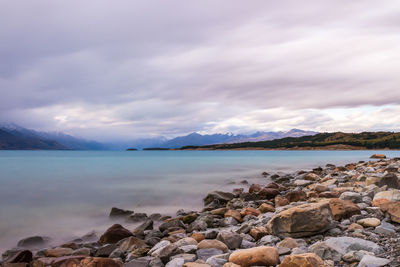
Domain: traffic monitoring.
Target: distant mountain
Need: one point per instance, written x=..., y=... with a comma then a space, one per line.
x=325, y=141
x=64, y=140
x=196, y=139
x=9, y=141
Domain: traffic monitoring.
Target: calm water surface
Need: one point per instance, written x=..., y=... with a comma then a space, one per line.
x=65, y=194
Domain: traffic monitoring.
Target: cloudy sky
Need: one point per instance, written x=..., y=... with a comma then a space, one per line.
x=124, y=69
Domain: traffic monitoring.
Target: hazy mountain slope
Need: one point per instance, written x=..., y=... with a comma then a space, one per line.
x=10, y=141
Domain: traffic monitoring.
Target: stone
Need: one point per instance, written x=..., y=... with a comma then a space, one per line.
x=288, y=242
x=234, y=214
x=213, y=244
x=220, y=211
x=390, y=180
x=268, y=240
x=250, y=211
x=81, y=251
x=302, y=182
x=264, y=208
x=137, y=217
x=186, y=257
x=119, y=213
x=147, y=225
x=304, y=220
x=393, y=209
x=258, y=256
x=258, y=232
x=218, y=196
x=189, y=218
x=231, y=239
x=231, y=264
x=198, y=225
x=132, y=243
x=321, y=188
x=166, y=252
x=369, y=222
x=296, y=195
x=58, y=252
x=159, y=245
x=312, y=177
x=33, y=242
x=343, y=209
x=281, y=201
x=21, y=256
x=205, y=253
x=378, y=156
x=185, y=242
x=195, y=264
x=390, y=195
x=176, y=223
x=177, y=262
x=187, y=249
x=254, y=188
x=99, y=262
x=229, y=221
x=335, y=247
x=269, y=193
x=198, y=237
x=139, y=262
x=329, y=194
x=302, y=260
x=114, y=234
x=58, y=262
x=105, y=250
x=355, y=226
x=352, y=196
x=372, y=261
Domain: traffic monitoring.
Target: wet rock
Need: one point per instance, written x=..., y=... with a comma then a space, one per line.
x=302, y=182
x=254, y=188
x=82, y=252
x=33, y=242
x=119, y=213
x=189, y=218
x=231, y=239
x=136, y=217
x=21, y=256
x=114, y=234
x=303, y=220
x=132, y=243
x=312, y=177
x=343, y=209
x=105, y=250
x=213, y=244
x=269, y=193
x=219, y=196
x=258, y=256
x=172, y=224
x=147, y=225
x=302, y=260
x=58, y=252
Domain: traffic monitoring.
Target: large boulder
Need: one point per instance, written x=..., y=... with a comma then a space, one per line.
x=343, y=209
x=302, y=260
x=258, y=256
x=114, y=234
x=218, y=196
x=301, y=221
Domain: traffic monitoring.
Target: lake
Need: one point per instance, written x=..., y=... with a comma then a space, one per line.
x=65, y=194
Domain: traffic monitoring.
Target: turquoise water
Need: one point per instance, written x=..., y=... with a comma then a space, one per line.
x=64, y=194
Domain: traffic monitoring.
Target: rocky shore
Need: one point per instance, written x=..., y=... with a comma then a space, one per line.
x=331, y=216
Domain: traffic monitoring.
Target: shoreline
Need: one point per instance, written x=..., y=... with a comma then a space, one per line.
x=299, y=216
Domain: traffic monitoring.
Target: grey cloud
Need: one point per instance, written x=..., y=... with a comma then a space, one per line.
x=172, y=67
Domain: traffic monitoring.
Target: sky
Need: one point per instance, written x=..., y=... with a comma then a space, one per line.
x=125, y=69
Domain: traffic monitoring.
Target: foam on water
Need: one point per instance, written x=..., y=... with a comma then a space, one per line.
x=65, y=194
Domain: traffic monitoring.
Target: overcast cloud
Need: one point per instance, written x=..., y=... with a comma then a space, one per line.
x=124, y=69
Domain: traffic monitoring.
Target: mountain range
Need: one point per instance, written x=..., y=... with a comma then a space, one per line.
x=13, y=136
